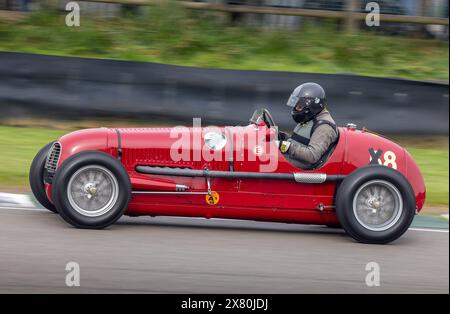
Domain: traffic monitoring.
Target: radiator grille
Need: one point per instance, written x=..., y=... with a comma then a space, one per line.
x=52, y=161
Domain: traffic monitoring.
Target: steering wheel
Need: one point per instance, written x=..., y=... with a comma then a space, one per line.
x=268, y=119
x=265, y=116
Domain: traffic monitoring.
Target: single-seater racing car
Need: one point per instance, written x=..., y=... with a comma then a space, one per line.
x=368, y=185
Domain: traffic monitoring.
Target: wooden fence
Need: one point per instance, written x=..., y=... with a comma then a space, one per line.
x=351, y=12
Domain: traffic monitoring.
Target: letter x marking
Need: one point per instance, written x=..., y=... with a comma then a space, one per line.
x=376, y=155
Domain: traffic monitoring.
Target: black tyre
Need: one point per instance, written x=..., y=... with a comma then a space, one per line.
x=36, y=177
x=375, y=204
x=91, y=190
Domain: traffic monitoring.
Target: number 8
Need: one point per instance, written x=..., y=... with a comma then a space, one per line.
x=390, y=159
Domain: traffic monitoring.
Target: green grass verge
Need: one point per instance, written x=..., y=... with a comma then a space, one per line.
x=169, y=34
x=19, y=145
x=433, y=163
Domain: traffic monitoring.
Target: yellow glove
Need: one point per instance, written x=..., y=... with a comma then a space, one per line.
x=285, y=146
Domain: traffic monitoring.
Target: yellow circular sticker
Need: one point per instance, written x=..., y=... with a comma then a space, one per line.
x=213, y=198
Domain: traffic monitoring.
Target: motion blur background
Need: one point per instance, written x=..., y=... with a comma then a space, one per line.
x=219, y=60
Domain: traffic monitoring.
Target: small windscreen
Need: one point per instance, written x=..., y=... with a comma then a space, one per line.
x=257, y=116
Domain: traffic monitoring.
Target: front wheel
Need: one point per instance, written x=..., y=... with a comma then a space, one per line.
x=375, y=204
x=91, y=190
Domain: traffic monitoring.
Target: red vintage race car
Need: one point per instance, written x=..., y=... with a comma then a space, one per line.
x=365, y=183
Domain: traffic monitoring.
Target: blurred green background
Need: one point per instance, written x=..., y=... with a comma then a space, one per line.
x=171, y=34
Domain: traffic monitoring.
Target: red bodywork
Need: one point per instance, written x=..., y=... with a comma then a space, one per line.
x=254, y=199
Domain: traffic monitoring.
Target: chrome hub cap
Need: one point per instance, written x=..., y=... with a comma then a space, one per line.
x=92, y=191
x=377, y=205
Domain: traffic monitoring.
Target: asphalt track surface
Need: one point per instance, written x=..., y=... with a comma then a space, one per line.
x=180, y=255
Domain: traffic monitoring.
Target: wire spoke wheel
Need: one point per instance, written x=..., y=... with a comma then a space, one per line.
x=377, y=205
x=93, y=191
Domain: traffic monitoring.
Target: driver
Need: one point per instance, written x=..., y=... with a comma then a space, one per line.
x=316, y=131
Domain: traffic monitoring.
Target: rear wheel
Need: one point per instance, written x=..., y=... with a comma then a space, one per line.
x=36, y=177
x=375, y=204
x=91, y=190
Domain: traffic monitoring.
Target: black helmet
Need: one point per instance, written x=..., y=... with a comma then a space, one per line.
x=307, y=101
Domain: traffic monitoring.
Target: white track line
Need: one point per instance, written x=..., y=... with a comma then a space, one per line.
x=44, y=210
x=19, y=200
x=429, y=230
x=24, y=208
